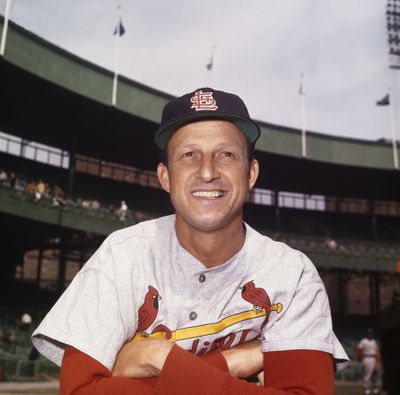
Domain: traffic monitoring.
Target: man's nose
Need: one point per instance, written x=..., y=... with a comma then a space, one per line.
x=208, y=169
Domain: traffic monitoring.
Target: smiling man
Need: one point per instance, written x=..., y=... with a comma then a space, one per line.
x=192, y=302
x=209, y=175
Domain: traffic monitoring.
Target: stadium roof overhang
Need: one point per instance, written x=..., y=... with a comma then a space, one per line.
x=53, y=97
x=38, y=110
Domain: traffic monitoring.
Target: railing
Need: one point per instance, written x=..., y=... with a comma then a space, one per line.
x=34, y=151
x=19, y=189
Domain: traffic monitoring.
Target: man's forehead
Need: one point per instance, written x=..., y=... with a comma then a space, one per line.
x=217, y=145
x=215, y=131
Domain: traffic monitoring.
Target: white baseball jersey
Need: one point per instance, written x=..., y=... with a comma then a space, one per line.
x=141, y=282
x=369, y=347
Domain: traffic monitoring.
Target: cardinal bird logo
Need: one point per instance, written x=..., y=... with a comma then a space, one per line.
x=148, y=311
x=260, y=300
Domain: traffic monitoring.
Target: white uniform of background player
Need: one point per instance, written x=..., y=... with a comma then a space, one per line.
x=370, y=363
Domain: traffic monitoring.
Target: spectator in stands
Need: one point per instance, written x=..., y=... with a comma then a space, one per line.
x=31, y=188
x=58, y=196
x=12, y=179
x=368, y=354
x=331, y=243
x=109, y=208
x=26, y=321
x=95, y=205
x=40, y=190
x=86, y=203
x=389, y=333
x=3, y=176
x=123, y=210
x=140, y=216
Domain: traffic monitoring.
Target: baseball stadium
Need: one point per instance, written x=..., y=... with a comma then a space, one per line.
x=74, y=168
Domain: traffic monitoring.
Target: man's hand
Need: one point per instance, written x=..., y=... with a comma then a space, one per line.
x=245, y=360
x=141, y=359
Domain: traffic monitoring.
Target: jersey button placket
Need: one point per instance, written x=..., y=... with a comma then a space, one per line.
x=202, y=278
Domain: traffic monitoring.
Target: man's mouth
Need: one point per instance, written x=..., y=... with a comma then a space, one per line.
x=208, y=194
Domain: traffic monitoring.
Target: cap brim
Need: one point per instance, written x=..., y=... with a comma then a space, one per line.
x=248, y=127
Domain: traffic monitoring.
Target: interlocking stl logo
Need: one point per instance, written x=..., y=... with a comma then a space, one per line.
x=203, y=101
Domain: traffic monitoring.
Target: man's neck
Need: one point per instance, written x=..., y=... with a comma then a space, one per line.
x=212, y=248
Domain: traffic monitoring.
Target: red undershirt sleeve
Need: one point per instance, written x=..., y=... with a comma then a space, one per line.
x=83, y=375
x=294, y=372
x=297, y=372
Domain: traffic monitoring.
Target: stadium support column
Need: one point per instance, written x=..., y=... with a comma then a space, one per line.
x=71, y=168
x=374, y=292
x=343, y=298
x=11, y=257
x=39, y=266
x=373, y=219
x=62, y=263
x=277, y=214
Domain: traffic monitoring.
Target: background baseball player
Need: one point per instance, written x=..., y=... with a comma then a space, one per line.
x=368, y=354
x=190, y=302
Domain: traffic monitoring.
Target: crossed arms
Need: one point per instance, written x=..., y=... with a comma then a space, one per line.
x=155, y=366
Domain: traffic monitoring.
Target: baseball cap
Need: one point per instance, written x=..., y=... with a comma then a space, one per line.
x=205, y=103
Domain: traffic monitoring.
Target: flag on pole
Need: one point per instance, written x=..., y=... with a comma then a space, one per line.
x=301, y=87
x=385, y=101
x=118, y=32
x=389, y=101
x=119, y=29
x=210, y=64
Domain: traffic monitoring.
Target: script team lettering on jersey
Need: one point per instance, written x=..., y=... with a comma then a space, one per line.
x=205, y=338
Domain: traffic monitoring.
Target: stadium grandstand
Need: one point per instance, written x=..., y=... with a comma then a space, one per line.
x=74, y=168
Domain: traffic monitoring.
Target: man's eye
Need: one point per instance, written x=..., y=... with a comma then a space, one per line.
x=187, y=154
x=227, y=154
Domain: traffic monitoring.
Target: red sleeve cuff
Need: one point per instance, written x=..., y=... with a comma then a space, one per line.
x=286, y=372
x=184, y=371
x=217, y=360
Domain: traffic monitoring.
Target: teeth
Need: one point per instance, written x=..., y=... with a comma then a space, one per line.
x=208, y=194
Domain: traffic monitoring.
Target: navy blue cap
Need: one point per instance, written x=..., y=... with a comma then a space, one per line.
x=205, y=103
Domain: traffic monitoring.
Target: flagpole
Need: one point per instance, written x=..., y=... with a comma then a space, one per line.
x=393, y=130
x=5, y=27
x=116, y=58
x=212, y=69
x=303, y=118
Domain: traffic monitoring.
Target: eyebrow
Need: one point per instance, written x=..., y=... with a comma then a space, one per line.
x=219, y=146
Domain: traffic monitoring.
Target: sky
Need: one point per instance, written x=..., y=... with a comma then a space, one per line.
x=261, y=49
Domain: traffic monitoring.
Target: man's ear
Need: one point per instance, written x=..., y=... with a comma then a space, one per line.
x=163, y=176
x=254, y=170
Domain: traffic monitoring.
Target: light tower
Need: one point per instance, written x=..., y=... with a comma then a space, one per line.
x=393, y=31
x=393, y=37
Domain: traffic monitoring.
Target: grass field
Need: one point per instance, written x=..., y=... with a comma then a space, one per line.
x=51, y=389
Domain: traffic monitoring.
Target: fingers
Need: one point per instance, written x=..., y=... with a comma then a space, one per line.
x=260, y=377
